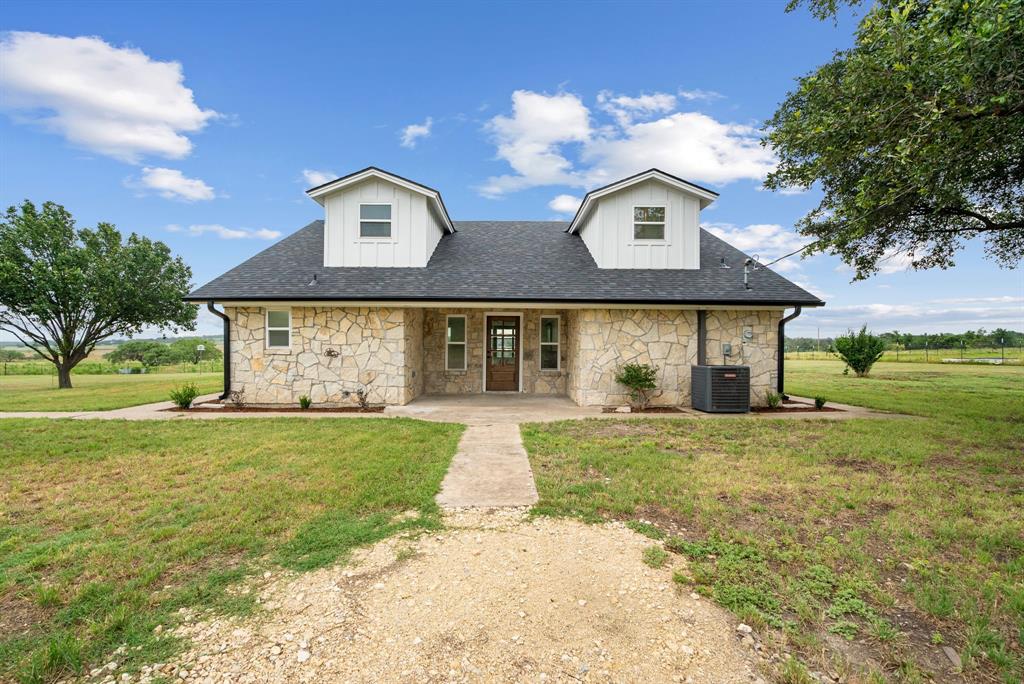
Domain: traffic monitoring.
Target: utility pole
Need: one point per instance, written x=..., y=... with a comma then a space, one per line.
x=1002, y=349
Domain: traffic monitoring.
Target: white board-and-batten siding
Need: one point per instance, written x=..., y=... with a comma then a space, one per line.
x=415, y=230
x=608, y=231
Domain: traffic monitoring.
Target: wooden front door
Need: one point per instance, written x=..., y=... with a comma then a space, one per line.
x=502, y=353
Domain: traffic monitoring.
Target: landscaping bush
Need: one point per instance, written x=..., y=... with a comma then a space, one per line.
x=773, y=399
x=305, y=401
x=859, y=350
x=184, y=395
x=642, y=380
x=819, y=403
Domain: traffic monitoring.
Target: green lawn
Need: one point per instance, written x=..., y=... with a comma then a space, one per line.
x=856, y=540
x=96, y=392
x=107, y=528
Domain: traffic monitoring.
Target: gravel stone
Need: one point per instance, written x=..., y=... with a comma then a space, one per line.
x=510, y=612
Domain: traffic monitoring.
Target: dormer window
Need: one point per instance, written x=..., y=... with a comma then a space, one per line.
x=648, y=223
x=374, y=220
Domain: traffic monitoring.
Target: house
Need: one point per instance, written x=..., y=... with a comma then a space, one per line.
x=388, y=293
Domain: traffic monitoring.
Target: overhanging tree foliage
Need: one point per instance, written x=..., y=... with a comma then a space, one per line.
x=915, y=134
x=64, y=290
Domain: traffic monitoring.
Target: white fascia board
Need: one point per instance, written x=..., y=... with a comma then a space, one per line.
x=319, y=193
x=706, y=197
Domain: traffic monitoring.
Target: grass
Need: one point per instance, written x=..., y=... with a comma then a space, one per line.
x=108, y=528
x=897, y=534
x=96, y=392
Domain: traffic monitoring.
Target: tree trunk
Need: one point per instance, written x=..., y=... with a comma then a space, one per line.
x=64, y=377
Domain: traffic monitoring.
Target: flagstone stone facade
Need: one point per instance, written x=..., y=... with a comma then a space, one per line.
x=399, y=353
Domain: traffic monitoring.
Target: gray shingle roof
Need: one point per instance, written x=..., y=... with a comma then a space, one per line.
x=520, y=261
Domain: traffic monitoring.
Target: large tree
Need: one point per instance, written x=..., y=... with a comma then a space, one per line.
x=915, y=134
x=63, y=290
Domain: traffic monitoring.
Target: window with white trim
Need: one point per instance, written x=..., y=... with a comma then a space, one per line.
x=455, y=343
x=549, y=342
x=648, y=223
x=279, y=328
x=375, y=220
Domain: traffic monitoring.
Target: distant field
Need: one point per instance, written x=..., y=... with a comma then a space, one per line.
x=1012, y=355
x=96, y=392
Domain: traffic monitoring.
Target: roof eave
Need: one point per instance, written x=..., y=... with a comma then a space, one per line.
x=320, y=192
x=705, y=195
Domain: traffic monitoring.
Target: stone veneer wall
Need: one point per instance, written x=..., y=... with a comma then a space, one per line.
x=399, y=353
x=376, y=347
x=470, y=381
x=602, y=340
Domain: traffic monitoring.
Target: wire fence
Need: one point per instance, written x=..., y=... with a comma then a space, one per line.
x=980, y=355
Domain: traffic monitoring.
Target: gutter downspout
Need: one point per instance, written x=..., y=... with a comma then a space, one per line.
x=227, y=348
x=702, y=333
x=781, y=361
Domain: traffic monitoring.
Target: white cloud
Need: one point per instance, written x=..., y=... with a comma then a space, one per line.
x=545, y=132
x=914, y=317
x=688, y=144
x=224, y=232
x=698, y=94
x=314, y=177
x=894, y=262
x=565, y=204
x=625, y=108
x=413, y=132
x=173, y=184
x=114, y=101
x=531, y=138
x=768, y=241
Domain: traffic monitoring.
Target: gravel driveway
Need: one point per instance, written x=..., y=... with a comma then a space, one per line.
x=495, y=597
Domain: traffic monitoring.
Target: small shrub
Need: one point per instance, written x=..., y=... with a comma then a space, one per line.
x=859, y=350
x=237, y=398
x=641, y=379
x=363, y=397
x=305, y=402
x=819, y=403
x=655, y=556
x=773, y=399
x=184, y=395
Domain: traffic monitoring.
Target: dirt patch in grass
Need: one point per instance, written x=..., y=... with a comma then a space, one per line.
x=860, y=465
x=624, y=428
x=19, y=614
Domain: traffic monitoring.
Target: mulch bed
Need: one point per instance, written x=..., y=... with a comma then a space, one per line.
x=283, y=409
x=649, y=409
x=794, y=407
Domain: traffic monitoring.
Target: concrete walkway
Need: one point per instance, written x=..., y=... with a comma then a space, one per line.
x=490, y=470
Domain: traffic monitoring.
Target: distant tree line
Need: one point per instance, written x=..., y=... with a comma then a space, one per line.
x=971, y=339
x=149, y=353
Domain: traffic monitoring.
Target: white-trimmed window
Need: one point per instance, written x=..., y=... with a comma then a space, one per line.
x=455, y=343
x=649, y=223
x=279, y=328
x=375, y=220
x=549, y=342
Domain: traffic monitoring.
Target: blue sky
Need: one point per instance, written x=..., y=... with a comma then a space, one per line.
x=201, y=124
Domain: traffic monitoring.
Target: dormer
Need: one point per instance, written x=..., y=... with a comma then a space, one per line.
x=375, y=218
x=650, y=220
